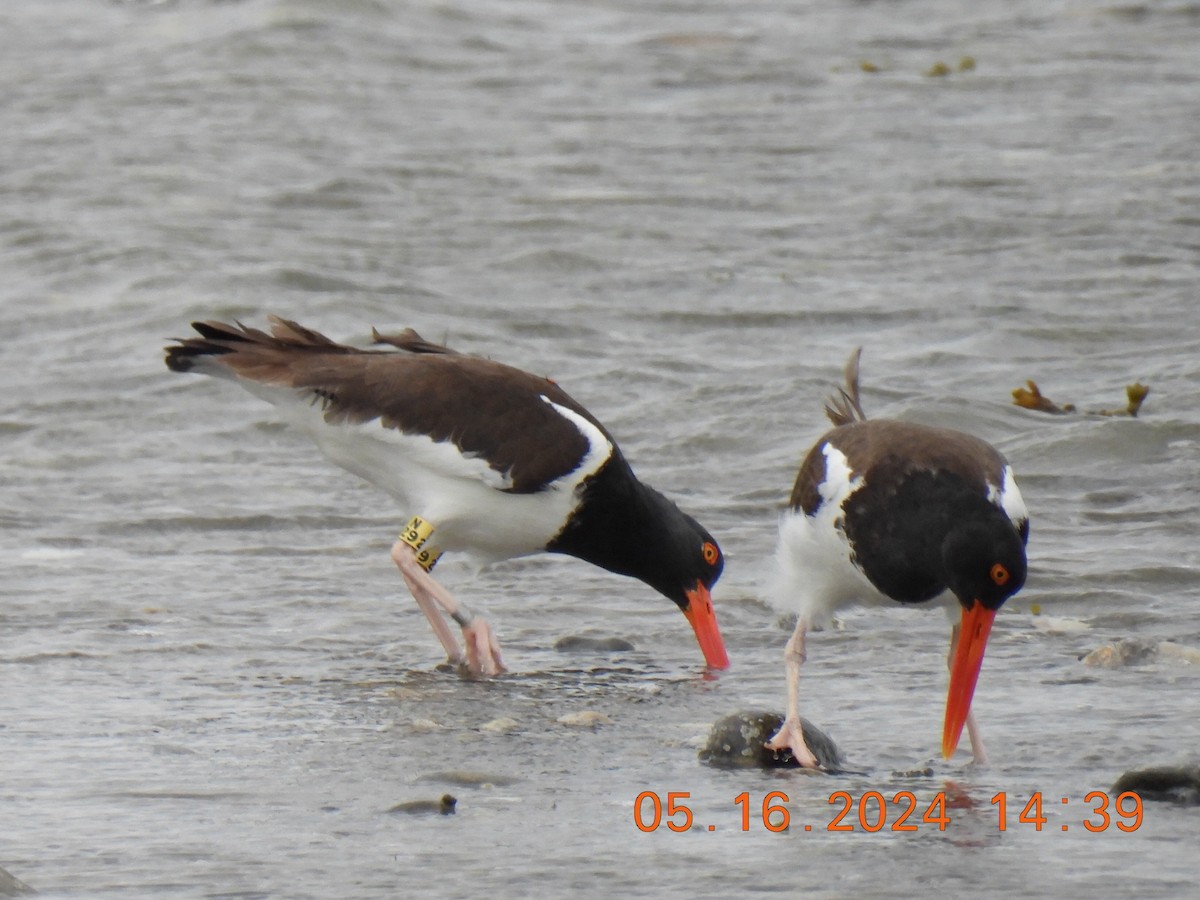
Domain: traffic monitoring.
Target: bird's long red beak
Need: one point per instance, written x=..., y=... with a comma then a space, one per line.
x=703, y=619
x=964, y=671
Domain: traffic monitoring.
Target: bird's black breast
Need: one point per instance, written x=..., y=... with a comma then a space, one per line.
x=896, y=525
x=917, y=482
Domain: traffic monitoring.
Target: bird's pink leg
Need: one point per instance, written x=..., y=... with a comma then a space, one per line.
x=977, y=748
x=405, y=559
x=790, y=736
x=482, y=649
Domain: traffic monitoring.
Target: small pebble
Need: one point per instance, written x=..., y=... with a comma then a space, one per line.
x=585, y=719
x=924, y=772
x=502, y=725
x=574, y=643
x=424, y=726
x=443, y=806
x=464, y=778
x=1136, y=651
x=1059, y=625
x=1172, y=650
x=1121, y=653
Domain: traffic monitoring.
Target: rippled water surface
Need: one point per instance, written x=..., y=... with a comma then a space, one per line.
x=688, y=213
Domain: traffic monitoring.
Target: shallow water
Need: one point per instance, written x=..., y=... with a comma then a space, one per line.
x=687, y=213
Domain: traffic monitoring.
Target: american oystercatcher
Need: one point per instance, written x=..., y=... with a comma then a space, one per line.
x=493, y=461
x=892, y=512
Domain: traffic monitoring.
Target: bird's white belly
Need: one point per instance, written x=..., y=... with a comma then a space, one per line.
x=814, y=576
x=813, y=573
x=461, y=496
x=814, y=570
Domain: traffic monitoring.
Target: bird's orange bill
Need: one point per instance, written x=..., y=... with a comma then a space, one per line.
x=964, y=671
x=703, y=619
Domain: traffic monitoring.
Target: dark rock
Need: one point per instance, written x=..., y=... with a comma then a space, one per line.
x=1173, y=784
x=923, y=772
x=574, y=643
x=443, y=806
x=737, y=740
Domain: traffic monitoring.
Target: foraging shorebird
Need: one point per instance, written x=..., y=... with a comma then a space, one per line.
x=493, y=461
x=886, y=512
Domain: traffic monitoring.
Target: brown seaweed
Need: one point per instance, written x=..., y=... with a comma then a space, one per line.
x=1030, y=397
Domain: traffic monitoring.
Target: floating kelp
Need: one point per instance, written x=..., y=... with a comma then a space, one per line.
x=1030, y=397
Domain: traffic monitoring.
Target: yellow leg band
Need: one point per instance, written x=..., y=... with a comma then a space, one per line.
x=416, y=534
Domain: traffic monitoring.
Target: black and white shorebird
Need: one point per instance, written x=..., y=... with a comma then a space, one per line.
x=886, y=512
x=489, y=460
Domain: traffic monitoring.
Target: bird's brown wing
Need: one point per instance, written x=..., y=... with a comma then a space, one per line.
x=487, y=409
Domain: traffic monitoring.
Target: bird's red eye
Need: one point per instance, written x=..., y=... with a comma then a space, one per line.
x=1000, y=574
x=710, y=552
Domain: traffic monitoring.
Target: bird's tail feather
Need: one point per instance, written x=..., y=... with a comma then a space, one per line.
x=846, y=406
x=409, y=340
x=244, y=346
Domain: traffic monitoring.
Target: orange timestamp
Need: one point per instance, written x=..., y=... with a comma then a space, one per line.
x=872, y=811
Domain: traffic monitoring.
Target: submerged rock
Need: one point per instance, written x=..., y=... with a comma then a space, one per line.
x=1136, y=651
x=586, y=718
x=442, y=806
x=13, y=887
x=1173, y=784
x=502, y=725
x=575, y=643
x=737, y=740
x=1059, y=624
x=465, y=778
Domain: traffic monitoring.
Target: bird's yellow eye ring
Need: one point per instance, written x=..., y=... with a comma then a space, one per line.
x=1000, y=574
x=710, y=553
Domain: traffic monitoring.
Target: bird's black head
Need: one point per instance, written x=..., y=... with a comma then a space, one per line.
x=983, y=558
x=686, y=566
x=984, y=561
x=690, y=561
x=631, y=529
x=669, y=550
